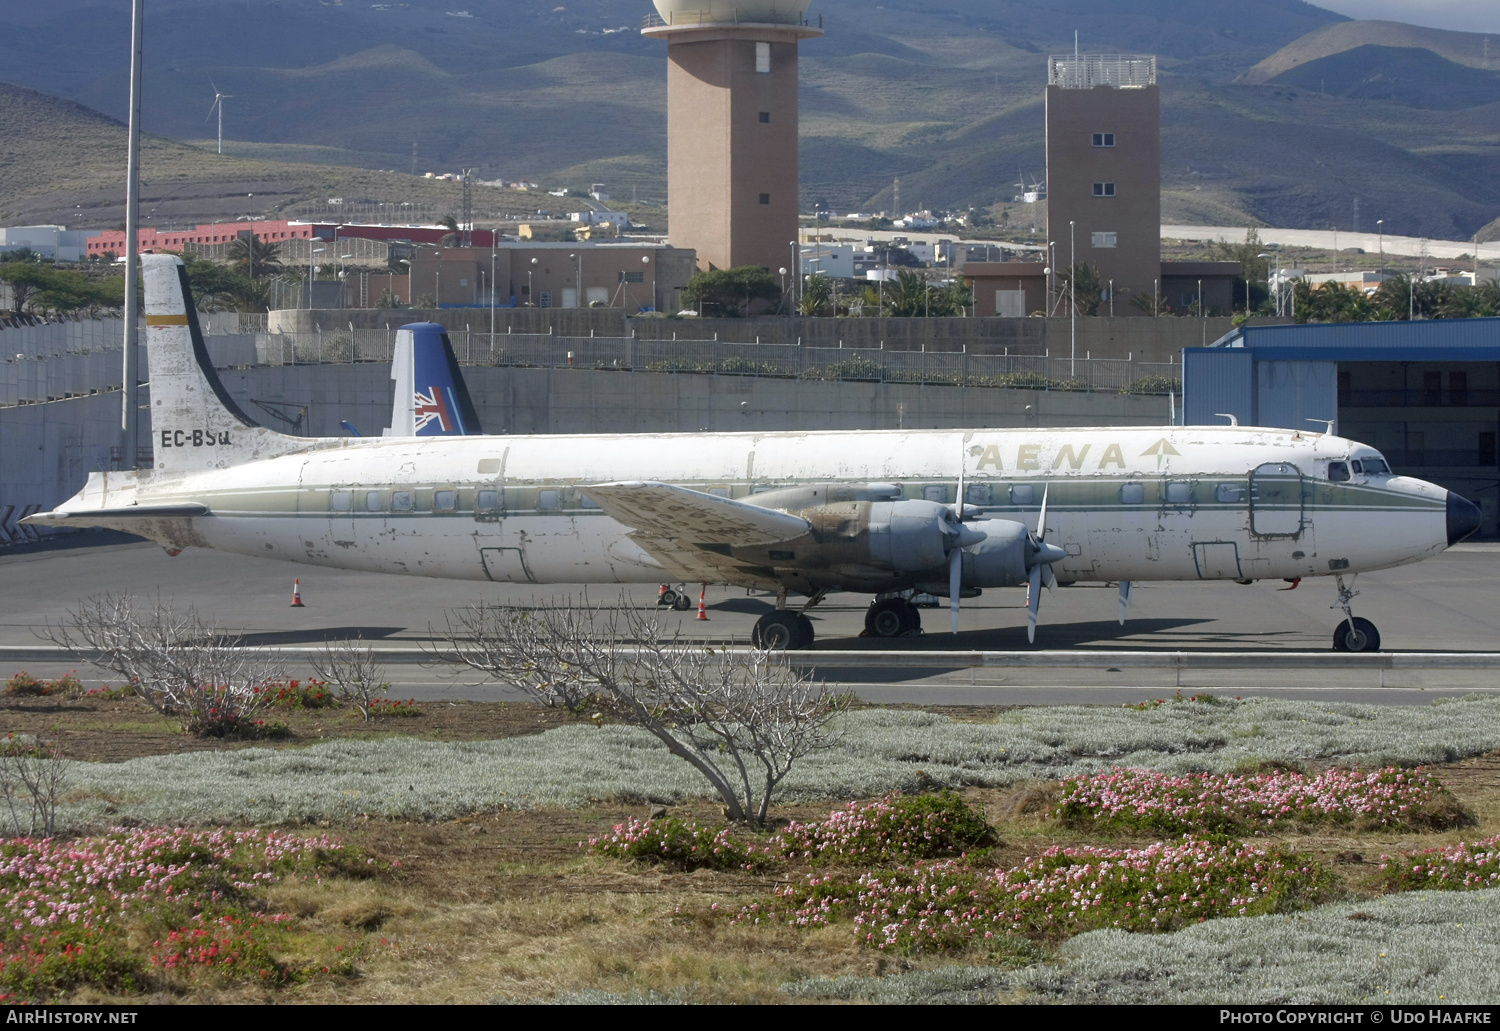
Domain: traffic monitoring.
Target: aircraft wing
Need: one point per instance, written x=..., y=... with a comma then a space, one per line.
x=690, y=532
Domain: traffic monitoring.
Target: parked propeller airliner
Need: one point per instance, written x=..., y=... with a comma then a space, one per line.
x=888, y=513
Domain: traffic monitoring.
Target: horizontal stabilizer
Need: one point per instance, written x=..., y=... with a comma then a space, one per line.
x=116, y=517
x=691, y=516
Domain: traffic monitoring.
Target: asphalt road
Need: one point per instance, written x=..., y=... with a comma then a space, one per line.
x=1451, y=602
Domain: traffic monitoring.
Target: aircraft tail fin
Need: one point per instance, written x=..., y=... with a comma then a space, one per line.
x=431, y=398
x=195, y=424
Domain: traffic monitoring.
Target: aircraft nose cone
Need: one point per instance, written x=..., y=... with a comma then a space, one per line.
x=1463, y=517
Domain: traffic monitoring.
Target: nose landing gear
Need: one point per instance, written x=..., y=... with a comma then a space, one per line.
x=1354, y=634
x=676, y=599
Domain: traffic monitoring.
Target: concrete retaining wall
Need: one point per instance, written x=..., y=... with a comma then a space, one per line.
x=50, y=448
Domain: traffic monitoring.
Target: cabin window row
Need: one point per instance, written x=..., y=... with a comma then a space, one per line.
x=454, y=500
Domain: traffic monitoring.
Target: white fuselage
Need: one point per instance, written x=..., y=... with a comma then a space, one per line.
x=1167, y=503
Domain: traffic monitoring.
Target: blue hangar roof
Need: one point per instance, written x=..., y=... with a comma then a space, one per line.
x=1433, y=340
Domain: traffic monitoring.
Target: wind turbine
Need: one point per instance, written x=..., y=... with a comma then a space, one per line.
x=218, y=103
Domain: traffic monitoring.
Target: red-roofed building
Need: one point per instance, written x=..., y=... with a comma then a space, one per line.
x=152, y=240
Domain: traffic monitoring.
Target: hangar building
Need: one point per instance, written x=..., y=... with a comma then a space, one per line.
x=1426, y=393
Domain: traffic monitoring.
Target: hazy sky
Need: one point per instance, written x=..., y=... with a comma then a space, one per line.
x=1464, y=15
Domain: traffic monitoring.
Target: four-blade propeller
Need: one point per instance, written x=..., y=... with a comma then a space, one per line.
x=1040, y=559
x=962, y=537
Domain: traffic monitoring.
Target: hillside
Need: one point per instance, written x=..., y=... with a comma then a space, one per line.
x=1401, y=75
x=944, y=94
x=1476, y=50
x=64, y=163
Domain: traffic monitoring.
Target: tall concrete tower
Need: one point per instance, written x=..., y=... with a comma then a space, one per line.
x=1104, y=169
x=732, y=126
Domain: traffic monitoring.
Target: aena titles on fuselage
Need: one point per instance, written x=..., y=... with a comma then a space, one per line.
x=890, y=512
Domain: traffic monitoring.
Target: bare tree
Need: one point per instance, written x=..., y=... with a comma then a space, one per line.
x=31, y=778
x=356, y=675
x=741, y=719
x=184, y=667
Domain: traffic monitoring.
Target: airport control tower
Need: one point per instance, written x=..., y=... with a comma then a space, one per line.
x=732, y=126
x=1104, y=169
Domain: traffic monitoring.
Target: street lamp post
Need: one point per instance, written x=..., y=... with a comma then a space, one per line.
x=311, y=270
x=1051, y=291
x=1072, y=298
x=783, y=286
x=407, y=263
x=577, y=261
x=646, y=260
x=530, y=291
x=796, y=273
x=1380, y=228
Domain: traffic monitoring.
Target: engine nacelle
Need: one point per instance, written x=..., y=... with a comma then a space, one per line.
x=907, y=536
x=1000, y=559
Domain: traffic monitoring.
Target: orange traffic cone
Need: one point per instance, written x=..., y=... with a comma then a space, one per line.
x=297, y=594
x=661, y=595
x=703, y=608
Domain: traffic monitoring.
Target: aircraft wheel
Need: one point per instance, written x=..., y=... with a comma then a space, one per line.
x=780, y=631
x=668, y=598
x=1363, y=637
x=682, y=603
x=891, y=617
x=807, y=630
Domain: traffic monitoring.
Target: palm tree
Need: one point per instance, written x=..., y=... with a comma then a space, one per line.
x=254, y=256
x=817, y=291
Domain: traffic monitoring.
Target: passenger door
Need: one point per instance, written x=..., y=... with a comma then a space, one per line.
x=1276, y=500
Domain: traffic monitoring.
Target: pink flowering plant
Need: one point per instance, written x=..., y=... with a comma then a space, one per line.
x=895, y=828
x=137, y=910
x=675, y=842
x=1449, y=868
x=951, y=905
x=1145, y=800
x=23, y=684
x=300, y=694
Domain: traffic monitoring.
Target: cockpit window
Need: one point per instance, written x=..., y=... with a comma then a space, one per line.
x=1338, y=472
x=1371, y=466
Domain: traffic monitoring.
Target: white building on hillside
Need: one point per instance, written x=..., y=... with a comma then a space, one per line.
x=55, y=242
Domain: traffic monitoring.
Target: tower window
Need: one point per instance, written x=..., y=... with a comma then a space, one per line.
x=1106, y=239
x=765, y=116
x=1104, y=139
x=765, y=198
x=763, y=57
x=1104, y=189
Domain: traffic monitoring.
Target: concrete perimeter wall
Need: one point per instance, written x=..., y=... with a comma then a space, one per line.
x=1150, y=340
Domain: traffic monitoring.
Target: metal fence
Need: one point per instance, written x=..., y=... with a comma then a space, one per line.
x=721, y=358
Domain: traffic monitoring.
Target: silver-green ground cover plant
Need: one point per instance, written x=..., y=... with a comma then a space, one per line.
x=875, y=751
x=1417, y=947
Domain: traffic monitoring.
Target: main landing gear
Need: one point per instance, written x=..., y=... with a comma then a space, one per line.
x=1354, y=634
x=785, y=629
x=892, y=617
